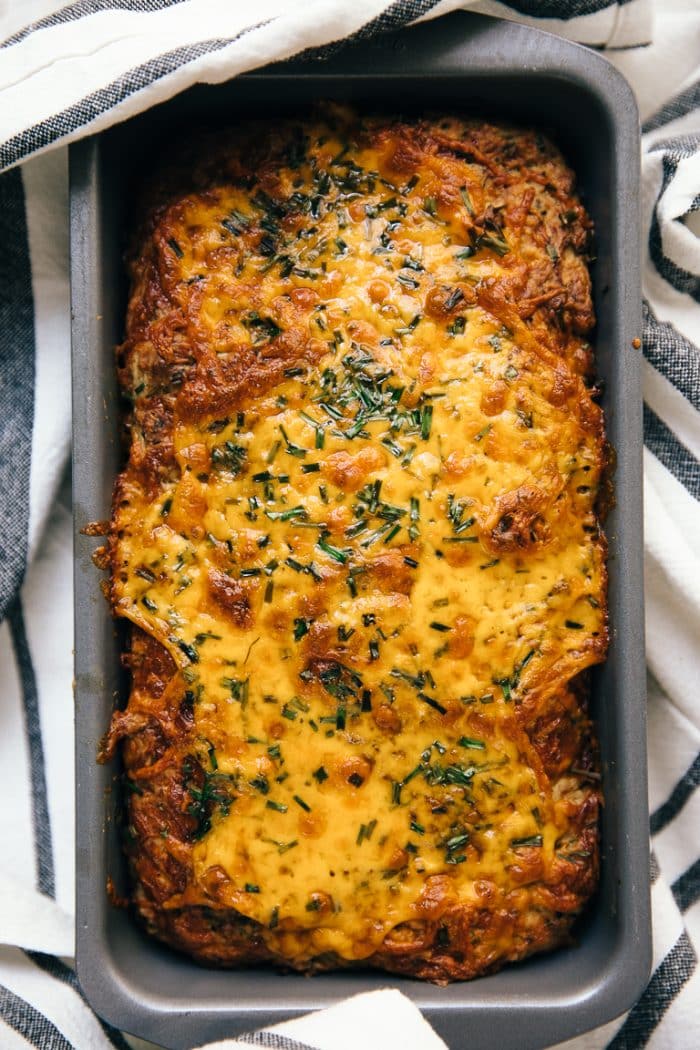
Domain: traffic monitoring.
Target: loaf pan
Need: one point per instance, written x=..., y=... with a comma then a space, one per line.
x=489, y=68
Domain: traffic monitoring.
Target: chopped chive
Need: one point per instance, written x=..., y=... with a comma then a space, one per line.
x=300, y=802
x=310, y=468
x=351, y=579
x=370, y=539
x=320, y=774
x=406, y=281
x=573, y=625
x=432, y=702
x=498, y=244
x=292, y=449
x=418, y=828
x=270, y=458
x=149, y=603
x=189, y=651
x=333, y=552
x=437, y=626
x=396, y=450
x=301, y=627
x=471, y=742
x=365, y=832
x=461, y=526
x=236, y=222
x=250, y=887
x=238, y=687
x=287, y=515
x=279, y=807
x=308, y=419
x=356, y=529
x=464, y=193
x=260, y=783
x=524, y=662
x=426, y=421
x=414, y=773
x=331, y=410
x=531, y=840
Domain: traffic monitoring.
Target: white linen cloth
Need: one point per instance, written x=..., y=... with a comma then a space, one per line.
x=79, y=68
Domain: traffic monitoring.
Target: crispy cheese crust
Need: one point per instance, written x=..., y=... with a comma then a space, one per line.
x=356, y=539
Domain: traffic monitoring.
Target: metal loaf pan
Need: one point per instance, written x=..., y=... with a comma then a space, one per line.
x=459, y=62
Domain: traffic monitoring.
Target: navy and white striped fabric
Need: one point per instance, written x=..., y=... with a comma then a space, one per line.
x=70, y=70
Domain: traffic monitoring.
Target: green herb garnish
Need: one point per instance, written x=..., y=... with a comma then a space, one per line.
x=471, y=742
x=279, y=807
x=531, y=840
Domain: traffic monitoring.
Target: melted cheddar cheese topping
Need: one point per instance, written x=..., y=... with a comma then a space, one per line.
x=377, y=563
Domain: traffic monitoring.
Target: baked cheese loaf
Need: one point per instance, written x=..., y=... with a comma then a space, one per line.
x=356, y=542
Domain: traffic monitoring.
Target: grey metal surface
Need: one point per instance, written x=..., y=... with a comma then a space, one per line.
x=459, y=62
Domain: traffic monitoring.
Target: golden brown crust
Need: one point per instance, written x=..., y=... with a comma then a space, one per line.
x=357, y=543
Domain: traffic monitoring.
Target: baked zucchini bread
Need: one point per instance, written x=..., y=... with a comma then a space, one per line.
x=356, y=541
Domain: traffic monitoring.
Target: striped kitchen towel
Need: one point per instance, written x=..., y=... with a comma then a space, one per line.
x=67, y=71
